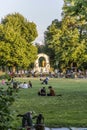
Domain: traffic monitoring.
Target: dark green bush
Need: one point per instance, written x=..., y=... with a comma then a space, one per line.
x=5, y=76
x=6, y=100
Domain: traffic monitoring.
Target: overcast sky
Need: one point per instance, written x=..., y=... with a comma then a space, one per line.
x=41, y=12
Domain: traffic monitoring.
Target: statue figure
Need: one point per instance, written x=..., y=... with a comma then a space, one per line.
x=43, y=63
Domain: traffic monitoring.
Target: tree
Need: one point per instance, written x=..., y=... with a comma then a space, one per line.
x=70, y=49
x=16, y=37
x=68, y=38
x=77, y=9
x=51, y=39
x=41, y=48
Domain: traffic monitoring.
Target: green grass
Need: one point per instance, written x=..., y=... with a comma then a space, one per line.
x=70, y=110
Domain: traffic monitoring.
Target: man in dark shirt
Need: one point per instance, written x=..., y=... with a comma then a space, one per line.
x=42, y=92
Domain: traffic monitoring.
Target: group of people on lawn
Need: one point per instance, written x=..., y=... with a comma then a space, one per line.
x=16, y=84
x=26, y=85
x=42, y=91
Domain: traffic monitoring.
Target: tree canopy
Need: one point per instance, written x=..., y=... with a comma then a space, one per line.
x=16, y=37
x=68, y=38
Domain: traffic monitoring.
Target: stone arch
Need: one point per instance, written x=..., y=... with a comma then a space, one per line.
x=44, y=68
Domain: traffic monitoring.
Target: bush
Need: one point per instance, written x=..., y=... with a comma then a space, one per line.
x=5, y=76
x=6, y=100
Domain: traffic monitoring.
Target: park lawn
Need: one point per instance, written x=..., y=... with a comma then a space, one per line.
x=68, y=110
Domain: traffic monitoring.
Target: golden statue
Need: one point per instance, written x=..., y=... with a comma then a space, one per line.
x=43, y=63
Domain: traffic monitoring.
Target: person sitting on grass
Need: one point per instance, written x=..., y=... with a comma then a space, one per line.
x=51, y=91
x=26, y=119
x=39, y=119
x=39, y=125
x=29, y=84
x=42, y=92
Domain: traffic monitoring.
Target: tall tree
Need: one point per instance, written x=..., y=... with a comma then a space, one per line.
x=77, y=9
x=40, y=47
x=69, y=40
x=51, y=39
x=16, y=37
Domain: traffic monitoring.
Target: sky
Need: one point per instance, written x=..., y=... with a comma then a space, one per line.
x=41, y=12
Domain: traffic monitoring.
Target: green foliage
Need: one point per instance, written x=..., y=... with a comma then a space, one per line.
x=67, y=39
x=6, y=115
x=77, y=10
x=41, y=48
x=16, y=37
x=51, y=39
x=5, y=76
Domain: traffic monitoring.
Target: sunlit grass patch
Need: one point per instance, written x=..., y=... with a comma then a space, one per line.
x=70, y=109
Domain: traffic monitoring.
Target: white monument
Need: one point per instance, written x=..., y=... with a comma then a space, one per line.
x=42, y=66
